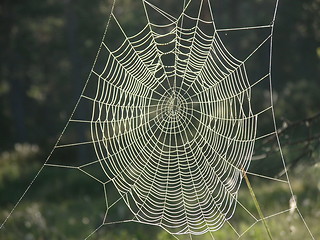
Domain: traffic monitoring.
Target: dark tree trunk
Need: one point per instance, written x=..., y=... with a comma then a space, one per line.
x=14, y=73
x=77, y=82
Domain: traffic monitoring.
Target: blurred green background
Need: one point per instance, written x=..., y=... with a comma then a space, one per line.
x=47, y=48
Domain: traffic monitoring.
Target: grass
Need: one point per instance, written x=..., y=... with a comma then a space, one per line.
x=256, y=203
x=64, y=204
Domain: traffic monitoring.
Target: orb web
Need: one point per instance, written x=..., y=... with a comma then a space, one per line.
x=175, y=136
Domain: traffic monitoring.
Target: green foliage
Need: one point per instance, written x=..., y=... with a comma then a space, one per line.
x=304, y=94
x=73, y=208
x=51, y=45
x=49, y=49
x=13, y=164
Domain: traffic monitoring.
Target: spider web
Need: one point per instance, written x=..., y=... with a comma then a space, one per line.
x=173, y=124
